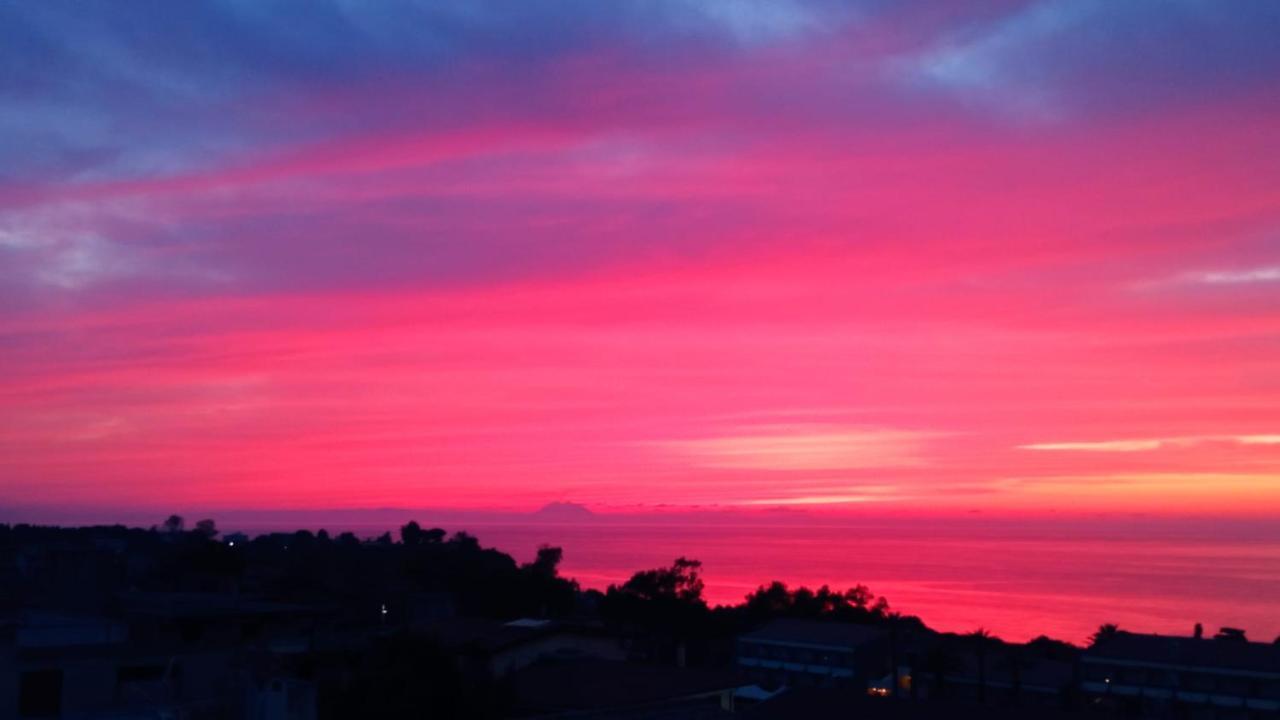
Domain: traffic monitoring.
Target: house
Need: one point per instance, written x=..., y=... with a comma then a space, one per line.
x=66, y=666
x=1005, y=680
x=553, y=688
x=970, y=668
x=818, y=702
x=281, y=698
x=178, y=654
x=1223, y=677
x=807, y=652
x=495, y=648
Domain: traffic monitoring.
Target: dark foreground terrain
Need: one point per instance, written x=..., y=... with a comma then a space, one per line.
x=178, y=622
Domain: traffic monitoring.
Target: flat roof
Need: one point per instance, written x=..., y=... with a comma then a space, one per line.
x=1187, y=652
x=563, y=685
x=815, y=633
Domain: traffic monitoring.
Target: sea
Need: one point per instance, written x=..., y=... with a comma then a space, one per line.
x=1016, y=579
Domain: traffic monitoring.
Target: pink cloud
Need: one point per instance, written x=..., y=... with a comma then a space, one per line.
x=775, y=277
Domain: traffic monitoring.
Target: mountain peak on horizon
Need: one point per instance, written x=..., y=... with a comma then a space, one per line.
x=564, y=511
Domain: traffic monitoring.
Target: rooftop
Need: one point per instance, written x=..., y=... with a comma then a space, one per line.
x=1185, y=651
x=204, y=605
x=850, y=703
x=790, y=631
x=479, y=635
x=581, y=685
x=1032, y=674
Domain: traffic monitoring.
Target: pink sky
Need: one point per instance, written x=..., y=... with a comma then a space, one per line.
x=905, y=258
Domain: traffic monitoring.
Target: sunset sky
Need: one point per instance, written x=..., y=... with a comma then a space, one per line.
x=1017, y=257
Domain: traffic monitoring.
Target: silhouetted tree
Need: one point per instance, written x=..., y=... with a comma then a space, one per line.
x=174, y=524
x=302, y=540
x=662, y=609
x=411, y=534
x=1015, y=659
x=859, y=596
x=856, y=604
x=545, y=592
x=206, y=529
x=546, y=562
x=938, y=661
x=1046, y=647
x=982, y=642
x=773, y=600
x=681, y=582
x=465, y=541
x=1105, y=632
x=880, y=607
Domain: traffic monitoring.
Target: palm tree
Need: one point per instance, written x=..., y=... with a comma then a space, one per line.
x=1015, y=661
x=1106, y=632
x=940, y=661
x=982, y=638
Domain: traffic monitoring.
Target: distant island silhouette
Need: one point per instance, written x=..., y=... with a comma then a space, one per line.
x=564, y=511
x=185, y=621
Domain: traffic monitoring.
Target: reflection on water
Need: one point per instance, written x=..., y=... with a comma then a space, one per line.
x=1017, y=581
x=1018, y=587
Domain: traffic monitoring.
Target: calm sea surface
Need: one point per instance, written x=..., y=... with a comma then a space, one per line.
x=1017, y=580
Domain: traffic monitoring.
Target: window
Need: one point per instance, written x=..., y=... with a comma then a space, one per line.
x=1096, y=673
x=1200, y=682
x=139, y=673
x=40, y=694
x=251, y=630
x=191, y=631
x=1230, y=685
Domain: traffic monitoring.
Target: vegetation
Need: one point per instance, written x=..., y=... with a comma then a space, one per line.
x=383, y=584
x=1104, y=633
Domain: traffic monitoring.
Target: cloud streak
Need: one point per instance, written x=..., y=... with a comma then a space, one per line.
x=636, y=253
x=803, y=448
x=1147, y=445
x=1238, y=277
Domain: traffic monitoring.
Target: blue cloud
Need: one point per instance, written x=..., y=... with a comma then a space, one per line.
x=1065, y=57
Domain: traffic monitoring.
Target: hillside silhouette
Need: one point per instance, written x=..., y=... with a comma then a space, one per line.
x=430, y=623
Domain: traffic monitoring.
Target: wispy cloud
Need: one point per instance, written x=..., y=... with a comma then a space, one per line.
x=1149, y=444
x=1174, y=483
x=61, y=256
x=841, y=499
x=498, y=252
x=751, y=21
x=1259, y=440
x=77, y=245
x=803, y=448
x=982, y=66
x=1099, y=446
x=1236, y=277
